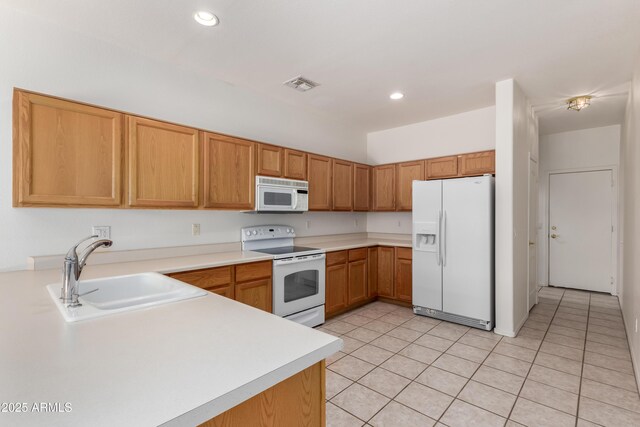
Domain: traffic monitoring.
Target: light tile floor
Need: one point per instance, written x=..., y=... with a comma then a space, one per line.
x=569, y=366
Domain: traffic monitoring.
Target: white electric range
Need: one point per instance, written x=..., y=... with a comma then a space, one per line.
x=298, y=272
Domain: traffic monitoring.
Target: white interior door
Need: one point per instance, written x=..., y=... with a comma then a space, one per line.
x=533, y=231
x=580, y=230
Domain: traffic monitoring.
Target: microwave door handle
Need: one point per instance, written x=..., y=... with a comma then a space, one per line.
x=295, y=199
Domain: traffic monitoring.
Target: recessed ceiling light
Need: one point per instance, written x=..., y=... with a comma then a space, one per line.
x=205, y=18
x=396, y=95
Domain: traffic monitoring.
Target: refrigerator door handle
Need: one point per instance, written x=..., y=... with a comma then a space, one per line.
x=438, y=254
x=443, y=243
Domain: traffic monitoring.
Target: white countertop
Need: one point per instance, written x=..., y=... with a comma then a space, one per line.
x=181, y=363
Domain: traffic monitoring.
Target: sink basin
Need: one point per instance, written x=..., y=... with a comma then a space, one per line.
x=123, y=293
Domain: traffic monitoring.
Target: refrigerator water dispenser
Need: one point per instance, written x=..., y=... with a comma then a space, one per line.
x=425, y=236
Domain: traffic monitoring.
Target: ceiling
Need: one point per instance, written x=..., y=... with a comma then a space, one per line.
x=445, y=55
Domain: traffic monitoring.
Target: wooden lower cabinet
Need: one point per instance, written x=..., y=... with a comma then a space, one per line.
x=357, y=282
x=257, y=294
x=335, y=289
x=403, y=274
x=297, y=401
x=246, y=283
x=372, y=276
x=386, y=258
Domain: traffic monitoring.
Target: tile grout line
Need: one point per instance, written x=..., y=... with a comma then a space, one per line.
x=535, y=356
x=584, y=353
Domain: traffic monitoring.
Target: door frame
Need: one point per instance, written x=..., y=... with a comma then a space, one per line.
x=614, y=220
x=533, y=247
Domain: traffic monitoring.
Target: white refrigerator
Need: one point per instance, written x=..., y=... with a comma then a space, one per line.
x=453, y=255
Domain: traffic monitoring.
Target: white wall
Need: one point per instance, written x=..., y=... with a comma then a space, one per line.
x=630, y=159
x=581, y=149
x=461, y=133
x=40, y=56
x=516, y=138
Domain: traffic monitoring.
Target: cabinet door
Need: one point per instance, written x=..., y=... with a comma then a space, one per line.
x=319, y=170
x=65, y=153
x=163, y=163
x=229, y=173
x=295, y=164
x=372, y=276
x=384, y=188
x=478, y=163
x=406, y=174
x=335, y=288
x=269, y=160
x=218, y=280
x=442, y=167
x=361, y=188
x=257, y=294
x=357, y=281
x=342, y=185
x=386, y=257
x=403, y=274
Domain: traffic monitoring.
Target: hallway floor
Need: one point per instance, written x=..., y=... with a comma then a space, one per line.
x=569, y=366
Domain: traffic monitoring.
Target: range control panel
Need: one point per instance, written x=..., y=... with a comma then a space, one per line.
x=263, y=232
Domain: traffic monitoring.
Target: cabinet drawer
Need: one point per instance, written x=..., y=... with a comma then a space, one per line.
x=339, y=257
x=357, y=254
x=403, y=253
x=207, y=278
x=253, y=271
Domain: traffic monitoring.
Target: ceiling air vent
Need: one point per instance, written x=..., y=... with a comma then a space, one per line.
x=301, y=84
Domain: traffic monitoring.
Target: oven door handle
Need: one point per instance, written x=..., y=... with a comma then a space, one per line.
x=307, y=258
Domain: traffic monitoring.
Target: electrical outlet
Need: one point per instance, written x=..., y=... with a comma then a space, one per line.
x=355, y=222
x=195, y=229
x=102, y=231
x=399, y=223
x=308, y=224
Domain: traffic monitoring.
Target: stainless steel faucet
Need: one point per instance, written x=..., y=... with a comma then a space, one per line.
x=72, y=268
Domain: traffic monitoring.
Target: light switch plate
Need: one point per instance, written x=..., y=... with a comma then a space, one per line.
x=102, y=231
x=195, y=229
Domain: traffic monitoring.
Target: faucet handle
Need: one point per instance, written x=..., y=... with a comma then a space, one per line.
x=72, y=254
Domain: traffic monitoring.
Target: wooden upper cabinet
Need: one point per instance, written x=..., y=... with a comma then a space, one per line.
x=386, y=260
x=442, y=167
x=162, y=164
x=342, y=185
x=361, y=187
x=228, y=172
x=295, y=164
x=319, y=171
x=384, y=186
x=65, y=153
x=269, y=160
x=478, y=163
x=406, y=173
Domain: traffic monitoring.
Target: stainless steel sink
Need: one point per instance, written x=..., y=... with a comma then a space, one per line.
x=110, y=295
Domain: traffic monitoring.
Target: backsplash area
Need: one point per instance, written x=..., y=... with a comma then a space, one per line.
x=144, y=229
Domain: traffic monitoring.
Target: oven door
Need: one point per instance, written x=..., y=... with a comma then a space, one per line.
x=298, y=284
x=276, y=198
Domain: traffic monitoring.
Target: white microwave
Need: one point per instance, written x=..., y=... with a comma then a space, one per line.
x=281, y=195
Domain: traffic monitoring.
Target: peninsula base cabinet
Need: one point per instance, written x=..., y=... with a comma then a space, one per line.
x=246, y=283
x=297, y=401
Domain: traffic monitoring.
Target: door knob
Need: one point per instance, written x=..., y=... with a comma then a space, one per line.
x=554, y=228
x=532, y=243
x=553, y=236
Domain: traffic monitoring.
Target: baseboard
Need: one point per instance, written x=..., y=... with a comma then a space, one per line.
x=514, y=333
